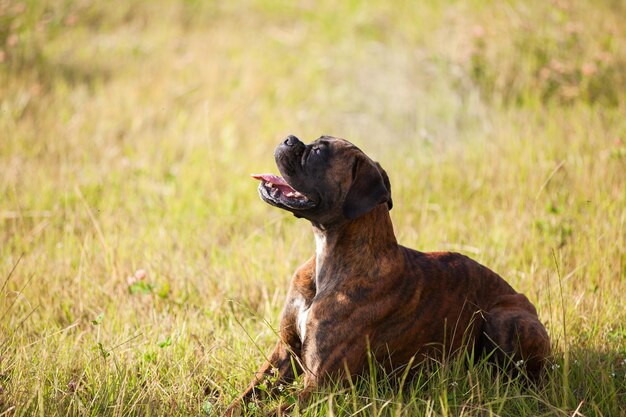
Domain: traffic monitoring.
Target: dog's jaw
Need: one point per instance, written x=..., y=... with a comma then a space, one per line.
x=274, y=190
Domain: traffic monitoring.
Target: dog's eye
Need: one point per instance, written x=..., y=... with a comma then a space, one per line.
x=316, y=151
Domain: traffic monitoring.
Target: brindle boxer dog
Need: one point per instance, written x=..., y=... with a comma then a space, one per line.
x=361, y=290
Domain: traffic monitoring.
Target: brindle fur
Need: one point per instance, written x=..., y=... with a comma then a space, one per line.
x=363, y=290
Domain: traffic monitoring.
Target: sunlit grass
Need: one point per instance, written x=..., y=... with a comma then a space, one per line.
x=127, y=133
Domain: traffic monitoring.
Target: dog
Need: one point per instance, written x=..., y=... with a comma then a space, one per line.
x=362, y=293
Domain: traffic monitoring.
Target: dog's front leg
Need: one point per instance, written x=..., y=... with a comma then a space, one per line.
x=285, y=360
x=350, y=357
x=281, y=364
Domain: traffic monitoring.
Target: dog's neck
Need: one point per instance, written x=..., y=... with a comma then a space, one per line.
x=353, y=246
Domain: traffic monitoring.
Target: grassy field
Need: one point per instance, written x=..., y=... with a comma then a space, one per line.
x=127, y=134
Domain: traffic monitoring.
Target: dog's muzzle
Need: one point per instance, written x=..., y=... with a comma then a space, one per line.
x=274, y=189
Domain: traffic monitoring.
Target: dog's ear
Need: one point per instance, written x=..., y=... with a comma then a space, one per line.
x=370, y=187
x=387, y=184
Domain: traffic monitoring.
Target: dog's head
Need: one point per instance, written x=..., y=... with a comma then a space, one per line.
x=327, y=181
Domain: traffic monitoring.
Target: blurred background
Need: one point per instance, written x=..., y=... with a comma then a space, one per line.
x=134, y=251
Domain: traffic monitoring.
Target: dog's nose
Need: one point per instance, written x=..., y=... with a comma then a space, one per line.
x=291, y=140
x=289, y=149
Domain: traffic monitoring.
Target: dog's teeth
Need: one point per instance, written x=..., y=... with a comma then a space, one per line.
x=270, y=185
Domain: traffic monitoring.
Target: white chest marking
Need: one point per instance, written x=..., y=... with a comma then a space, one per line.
x=303, y=314
x=301, y=317
x=320, y=250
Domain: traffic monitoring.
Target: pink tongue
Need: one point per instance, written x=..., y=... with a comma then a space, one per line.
x=271, y=178
x=276, y=181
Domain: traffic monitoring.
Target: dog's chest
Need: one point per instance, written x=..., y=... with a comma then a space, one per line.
x=302, y=314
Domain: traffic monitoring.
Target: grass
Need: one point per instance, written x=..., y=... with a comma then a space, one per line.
x=127, y=133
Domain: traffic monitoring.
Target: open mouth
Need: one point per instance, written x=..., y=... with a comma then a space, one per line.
x=276, y=191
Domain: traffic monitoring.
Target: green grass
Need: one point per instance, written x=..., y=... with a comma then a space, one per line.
x=127, y=133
